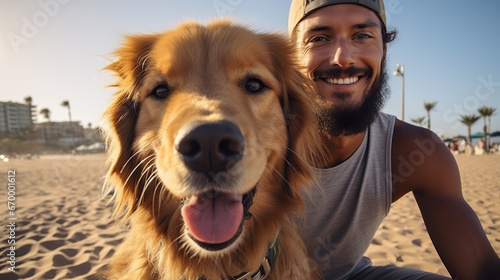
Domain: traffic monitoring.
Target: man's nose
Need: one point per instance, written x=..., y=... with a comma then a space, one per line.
x=342, y=54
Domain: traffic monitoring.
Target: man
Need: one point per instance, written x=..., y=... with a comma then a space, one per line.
x=375, y=159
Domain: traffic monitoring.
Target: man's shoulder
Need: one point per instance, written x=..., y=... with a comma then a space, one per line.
x=402, y=129
x=408, y=138
x=417, y=154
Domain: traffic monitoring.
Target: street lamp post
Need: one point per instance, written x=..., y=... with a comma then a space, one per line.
x=400, y=71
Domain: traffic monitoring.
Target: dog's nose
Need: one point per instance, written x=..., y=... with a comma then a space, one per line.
x=210, y=146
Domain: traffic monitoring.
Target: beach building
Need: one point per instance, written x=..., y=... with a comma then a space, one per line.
x=61, y=133
x=15, y=118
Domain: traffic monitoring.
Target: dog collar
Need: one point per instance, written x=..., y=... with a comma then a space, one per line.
x=264, y=268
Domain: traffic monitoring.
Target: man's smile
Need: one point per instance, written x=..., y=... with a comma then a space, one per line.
x=341, y=81
x=342, y=77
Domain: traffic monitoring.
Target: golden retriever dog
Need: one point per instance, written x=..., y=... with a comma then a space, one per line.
x=210, y=139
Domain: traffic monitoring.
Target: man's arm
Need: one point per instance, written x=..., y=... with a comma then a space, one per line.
x=424, y=165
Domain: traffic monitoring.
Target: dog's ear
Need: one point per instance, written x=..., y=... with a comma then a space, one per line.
x=120, y=117
x=304, y=143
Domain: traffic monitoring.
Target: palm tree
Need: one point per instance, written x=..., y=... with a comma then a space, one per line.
x=469, y=120
x=29, y=101
x=486, y=113
x=65, y=103
x=46, y=114
x=419, y=120
x=428, y=107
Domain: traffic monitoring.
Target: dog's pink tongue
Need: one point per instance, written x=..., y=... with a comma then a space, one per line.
x=213, y=218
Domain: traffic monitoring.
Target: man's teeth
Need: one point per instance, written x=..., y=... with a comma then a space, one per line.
x=344, y=81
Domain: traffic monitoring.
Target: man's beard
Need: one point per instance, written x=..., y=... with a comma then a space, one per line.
x=353, y=119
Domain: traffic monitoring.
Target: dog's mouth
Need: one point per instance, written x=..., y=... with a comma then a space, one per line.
x=214, y=220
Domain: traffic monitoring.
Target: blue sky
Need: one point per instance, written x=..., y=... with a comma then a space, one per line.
x=54, y=50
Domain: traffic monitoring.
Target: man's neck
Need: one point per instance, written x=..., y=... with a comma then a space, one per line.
x=341, y=148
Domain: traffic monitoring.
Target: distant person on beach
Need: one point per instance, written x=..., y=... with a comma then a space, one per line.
x=453, y=146
x=462, y=145
x=481, y=144
x=375, y=158
x=480, y=147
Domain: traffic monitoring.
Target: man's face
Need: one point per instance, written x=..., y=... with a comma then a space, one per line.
x=342, y=51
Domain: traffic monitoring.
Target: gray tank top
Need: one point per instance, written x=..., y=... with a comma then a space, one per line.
x=350, y=201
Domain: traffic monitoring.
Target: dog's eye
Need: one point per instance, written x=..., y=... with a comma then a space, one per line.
x=161, y=92
x=254, y=85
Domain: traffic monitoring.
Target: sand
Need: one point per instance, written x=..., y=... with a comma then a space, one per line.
x=64, y=231
x=63, y=228
x=402, y=239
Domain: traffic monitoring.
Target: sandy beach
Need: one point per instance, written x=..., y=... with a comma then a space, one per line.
x=402, y=239
x=62, y=227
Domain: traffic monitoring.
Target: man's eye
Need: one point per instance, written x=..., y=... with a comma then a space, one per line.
x=317, y=39
x=363, y=36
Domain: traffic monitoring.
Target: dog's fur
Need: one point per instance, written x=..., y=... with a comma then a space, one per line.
x=210, y=74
